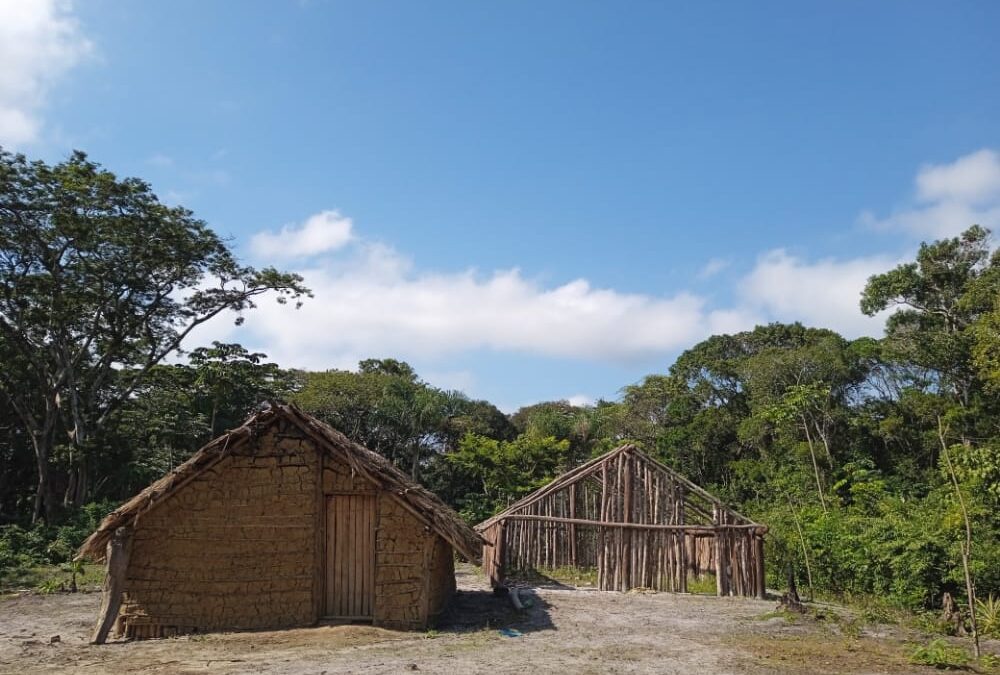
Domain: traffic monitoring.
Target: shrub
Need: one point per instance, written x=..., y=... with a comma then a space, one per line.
x=988, y=616
x=940, y=654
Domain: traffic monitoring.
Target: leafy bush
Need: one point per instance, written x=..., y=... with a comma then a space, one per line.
x=940, y=654
x=988, y=616
x=24, y=547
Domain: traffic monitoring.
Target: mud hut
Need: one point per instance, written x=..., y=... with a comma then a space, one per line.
x=281, y=522
x=636, y=522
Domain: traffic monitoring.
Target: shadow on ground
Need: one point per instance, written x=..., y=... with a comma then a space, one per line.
x=474, y=610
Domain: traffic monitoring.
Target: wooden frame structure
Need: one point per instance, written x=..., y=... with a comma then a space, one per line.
x=637, y=522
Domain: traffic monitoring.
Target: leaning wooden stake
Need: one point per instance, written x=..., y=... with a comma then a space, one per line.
x=114, y=584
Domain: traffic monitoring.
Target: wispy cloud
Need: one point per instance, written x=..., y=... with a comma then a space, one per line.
x=713, y=267
x=948, y=198
x=160, y=160
x=40, y=41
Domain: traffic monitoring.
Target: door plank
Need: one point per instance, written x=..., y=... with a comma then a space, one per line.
x=350, y=572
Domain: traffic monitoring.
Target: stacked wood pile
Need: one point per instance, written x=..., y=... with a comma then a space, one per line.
x=634, y=520
x=236, y=537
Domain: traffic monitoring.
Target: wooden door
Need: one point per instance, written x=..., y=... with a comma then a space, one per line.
x=350, y=556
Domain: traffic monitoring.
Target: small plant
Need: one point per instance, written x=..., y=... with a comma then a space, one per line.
x=940, y=654
x=850, y=628
x=75, y=568
x=779, y=613
x=51, y=586
x=988, y=613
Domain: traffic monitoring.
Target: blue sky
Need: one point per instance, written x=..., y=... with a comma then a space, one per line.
x=530, y=200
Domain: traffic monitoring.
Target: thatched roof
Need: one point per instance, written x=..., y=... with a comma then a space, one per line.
x=422, y=503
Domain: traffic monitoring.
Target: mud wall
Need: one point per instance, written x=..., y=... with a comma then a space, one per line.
x=234, y=548
x=242, y=546
x=440, y=577
x=402, y=546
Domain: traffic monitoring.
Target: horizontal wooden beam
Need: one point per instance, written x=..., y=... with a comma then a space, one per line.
x=636, y=526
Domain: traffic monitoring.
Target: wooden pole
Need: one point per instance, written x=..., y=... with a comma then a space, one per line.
x=758, y=541
x=572, y=527
x=627, y=540
x=114, y=583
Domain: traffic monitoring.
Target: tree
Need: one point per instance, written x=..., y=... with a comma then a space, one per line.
x=234, y=381
x=939, y=299
x=387, y=408
x=101, y=281
x=503, y=471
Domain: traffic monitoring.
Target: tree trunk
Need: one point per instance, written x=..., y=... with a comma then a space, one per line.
x=44, y=497
x=415, y=469
x=812, y=454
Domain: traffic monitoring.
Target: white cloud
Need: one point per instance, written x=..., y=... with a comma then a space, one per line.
x=580, y=400
x=713, y=267
x=970, y=179
x=321, y=233
x=824, y=293
x=39, y=42
x=372, y=301
x=369, y=300
x=949, y=198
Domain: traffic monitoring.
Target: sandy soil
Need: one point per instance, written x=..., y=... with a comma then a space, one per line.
x=565, y=631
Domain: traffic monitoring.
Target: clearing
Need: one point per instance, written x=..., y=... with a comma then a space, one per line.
x=565, y=630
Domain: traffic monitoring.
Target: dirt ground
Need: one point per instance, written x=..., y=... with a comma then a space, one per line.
x=565, y=630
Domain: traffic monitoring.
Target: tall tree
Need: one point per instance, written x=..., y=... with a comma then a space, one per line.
x=100, y=282
x=939, y=298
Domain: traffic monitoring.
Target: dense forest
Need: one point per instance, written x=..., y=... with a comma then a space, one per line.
x=865, y=457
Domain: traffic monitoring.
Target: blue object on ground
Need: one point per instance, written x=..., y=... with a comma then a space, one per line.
x=510, y=632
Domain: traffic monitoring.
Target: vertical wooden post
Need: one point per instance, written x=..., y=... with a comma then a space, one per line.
x=720, y=565
x=602, y=535
x=319, y=542
x=114, y=583
x=572, y=527
x=628, y=541
x=758, y=544
x=499, y=553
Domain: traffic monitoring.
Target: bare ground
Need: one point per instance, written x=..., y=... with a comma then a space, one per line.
x=565, y=631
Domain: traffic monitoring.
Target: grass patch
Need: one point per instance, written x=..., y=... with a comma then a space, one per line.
x=577, y=576
x=703, y=585
x=51, y=578
x=779, y=613
x=587, y=576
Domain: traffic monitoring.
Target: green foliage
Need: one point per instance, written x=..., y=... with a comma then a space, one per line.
x=504, y=471
x=23, y=548
x=988, y=616
x=939, y=653
x=102, y=282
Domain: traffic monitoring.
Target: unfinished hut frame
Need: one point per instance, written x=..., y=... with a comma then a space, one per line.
x=637, y=522
x=281, y=522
